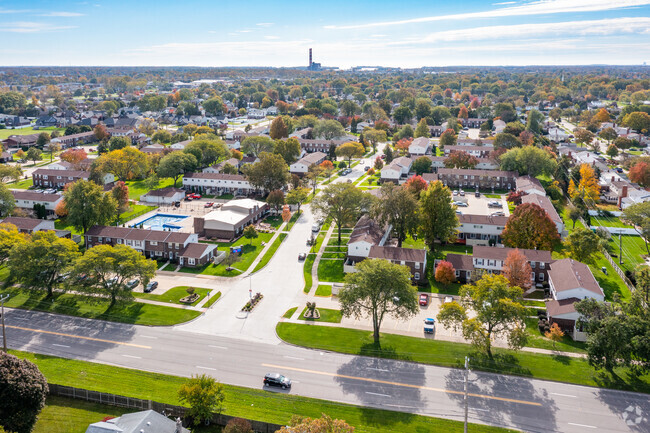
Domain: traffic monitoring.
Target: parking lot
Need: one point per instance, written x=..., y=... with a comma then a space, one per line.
x=479, y=205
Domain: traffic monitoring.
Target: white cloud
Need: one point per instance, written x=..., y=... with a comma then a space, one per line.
x=503, y=3
x=580, y=28
x=31, y=27
x=264, y=24
x=62, y=14
x=538, y=7
x=13, y=11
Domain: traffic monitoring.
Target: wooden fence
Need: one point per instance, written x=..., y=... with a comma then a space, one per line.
x=139, y=405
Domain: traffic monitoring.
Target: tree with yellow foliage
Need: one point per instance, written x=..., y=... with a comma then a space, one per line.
x=588, y=187
x=601, y=116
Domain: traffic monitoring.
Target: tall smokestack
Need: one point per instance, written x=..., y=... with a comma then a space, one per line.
x=310, y=58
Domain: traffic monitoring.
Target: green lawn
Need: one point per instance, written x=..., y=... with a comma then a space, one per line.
x=5, y=133
x=135, y=210
x=538, y=340
x=65, y=415
x=82, y=306
x=174, y=295
x=250, y=250
x=371, y=180
x=436, y=352
x=334, y=240
x=271, y=252
x=137, y=187
x=214, y=297
x=289, y=313
x=241, y=402
x=634, y=250
x=609, y=222
x=324, y=290
x=293, y=220
x=306, y=270
x=319, y=241
x=22, y=184
x=331, y=270
x=275, y=221
x=326, y=315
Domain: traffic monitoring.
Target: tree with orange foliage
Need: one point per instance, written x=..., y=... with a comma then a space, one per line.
x=101, y=134
x=601, y=116
x=325, y=424
x=445, y=273
x=461, y=159
x=416, y=184
x=402, y=146
x=640, y=173
x=517, y=270
x=448, y=93
x=60, y=209
x=588, y=187
x=474, y=104
x=463, y=113
x=526, y=138
x=530, y=227
x=554, y=334
x=74, y=157
x=327, y=168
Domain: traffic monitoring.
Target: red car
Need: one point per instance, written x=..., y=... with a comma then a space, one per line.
x=208, y=204
x=196, y=196
x=424, y=299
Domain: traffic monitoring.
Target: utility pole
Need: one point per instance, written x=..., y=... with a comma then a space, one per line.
x=620, y=249
x=2, y=314
x=466, y=400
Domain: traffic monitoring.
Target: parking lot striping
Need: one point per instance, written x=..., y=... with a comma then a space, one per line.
x=206, y=368
x=59, y=345
x=582, y=425
x=406, y=385
x=374, y=393
x=294, y=357
x=61, y=334
x=218, y=347
x=132, y=356
x=563, y=395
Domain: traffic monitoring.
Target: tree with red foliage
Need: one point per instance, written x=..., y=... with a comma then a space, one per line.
x=463, y=113
x=461, y=159
x=74, y=157
x=474, y=104
x=514, y=197
x=101, y=134
x=382, y=125
x=327, y=168
x=530, y=227
x=120, y=192
x=640, y=173
x=416, y=184
x=445, y=273
x=402, y=146
x=526, y=138
x=517, y=270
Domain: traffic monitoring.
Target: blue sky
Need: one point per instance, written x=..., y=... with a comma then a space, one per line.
x=342, y=33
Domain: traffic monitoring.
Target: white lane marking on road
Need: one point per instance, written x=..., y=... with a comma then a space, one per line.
x=582, y=425
x=59, y=345
x=374, y=393
x=480, y=410
x=149, y=336
x=131, y=356
x=377, y=369
x=294, y=357
x=400, y=405
x=218, y=347
x=563, y=395
x=206, y=368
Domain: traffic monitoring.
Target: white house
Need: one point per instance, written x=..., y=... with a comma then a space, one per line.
x=530, y=185
x=420, y=146
x=302, y=165
x=218, y=168
x=27, y=199
x=366, y=233
x=498, y=126
x=218, y=183
x=180, y=145
x=557, y=135
x=481, y=229
x=163, y=196
x=397, y=171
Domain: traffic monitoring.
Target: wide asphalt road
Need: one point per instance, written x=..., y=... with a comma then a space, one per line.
x=508, y=401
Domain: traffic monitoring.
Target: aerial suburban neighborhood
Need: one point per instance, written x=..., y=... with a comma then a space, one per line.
x=321, y=249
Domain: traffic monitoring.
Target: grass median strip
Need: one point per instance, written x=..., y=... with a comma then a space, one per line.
x=242, y=402
x=174, y=295
x=326, y=315
x=214, y=297
x=550, y=367
x=270, y=252
x=307, y=267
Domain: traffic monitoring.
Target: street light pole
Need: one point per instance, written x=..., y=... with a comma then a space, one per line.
x=2, y=314
x=466, y=401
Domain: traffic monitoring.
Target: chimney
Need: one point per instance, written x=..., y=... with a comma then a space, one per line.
x=624, y=191
x=621, y=196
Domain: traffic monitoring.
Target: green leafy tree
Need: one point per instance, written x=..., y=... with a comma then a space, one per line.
x=43, y=139
x=324, y=424
x=448, y=138
x=374, y=137
x=297, y=196
x=612, y=151
x=638, y=120
x=288, y=149
x=53, y=148
x=271, y=172
x=582, y=245
x=214, y=106
x=378, y=288
x=110, y=268
x=23, y=389
x=176, y=164
x=120, y=193
x=528, y=160
x=583, y=136
x=88, y=205
x=438, y=219
x=341, y=202
x=7, y=201
x=204, y=395
x=398, y=207
x=503, y=140
x=116, y=143
x=574, y=214
x=9, y=236
x=10, y=172
x=350, y=150
x=489, y=309
x=208, y=151
x=639, y=215
x=422, y=129
x=161, y=136
x=534, y=121
x=329, y=129
x=34, y=154
x=608, y=134
x=257, y=144
x=530, y=227
x=250, y=233
x=422, y=165
x=402, y=115
x=39, y=262
x=275, y=199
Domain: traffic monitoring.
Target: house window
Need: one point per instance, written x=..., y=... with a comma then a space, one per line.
x=170, y=245
x=532, y=276
x=153, y=243
x=542, y=265
x=158, y=253
x=417, y=275
x=108, y=239
x=541, y=276
x=119, y=241
x=532, y=265
x=99, y=239
x=457, y=273
x=417, y=265
x=190, y=261
x=402, y=262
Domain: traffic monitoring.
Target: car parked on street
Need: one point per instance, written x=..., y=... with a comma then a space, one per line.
x=276, y=379
x=302, y=256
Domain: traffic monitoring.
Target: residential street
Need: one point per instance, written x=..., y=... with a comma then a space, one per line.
x=529, y=405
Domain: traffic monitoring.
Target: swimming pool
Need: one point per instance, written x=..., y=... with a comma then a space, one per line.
x=161, y=221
